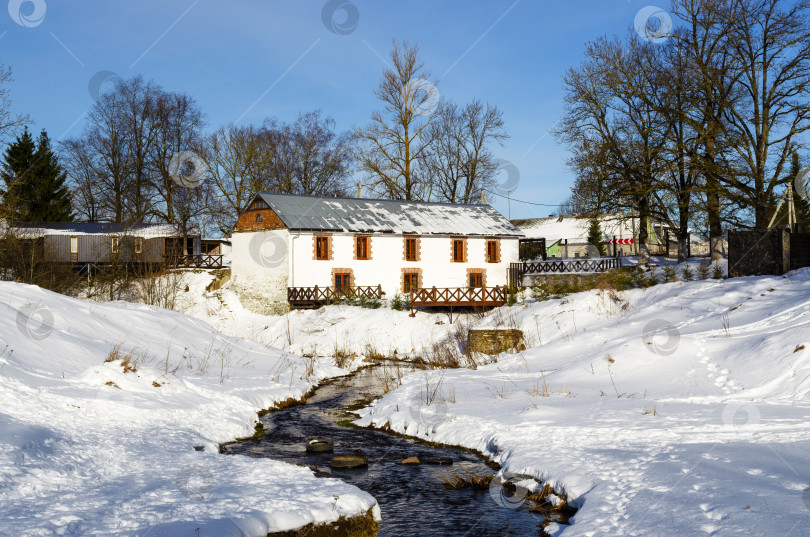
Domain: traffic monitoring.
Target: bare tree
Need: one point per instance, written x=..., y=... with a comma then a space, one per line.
x=604, y=106
x=460, y=160
x=308, y=157
x=179, y=122
x=79, y=166
x=393, y=147
x=770, y=43
x=10, y=122
x=238, y=161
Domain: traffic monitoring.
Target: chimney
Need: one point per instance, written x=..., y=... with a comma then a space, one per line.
x=359, y=189
x=484, y=200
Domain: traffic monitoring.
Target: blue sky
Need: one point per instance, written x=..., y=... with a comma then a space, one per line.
x=246, y=60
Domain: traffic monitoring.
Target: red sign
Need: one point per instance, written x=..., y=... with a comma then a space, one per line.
x=622, y=241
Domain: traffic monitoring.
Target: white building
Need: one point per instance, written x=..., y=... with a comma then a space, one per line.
x=285, y=241
x=567, y=237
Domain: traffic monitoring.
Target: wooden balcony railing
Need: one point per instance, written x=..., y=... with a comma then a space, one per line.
x=453, y=297
x=206, y=261
x=313, y=296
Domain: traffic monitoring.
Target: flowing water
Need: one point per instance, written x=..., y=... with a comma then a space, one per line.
x=413, y=499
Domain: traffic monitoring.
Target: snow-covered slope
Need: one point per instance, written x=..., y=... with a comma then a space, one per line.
x=89, y=449
x=678, y=410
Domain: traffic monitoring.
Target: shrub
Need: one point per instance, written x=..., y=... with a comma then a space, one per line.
x=687, y=273
x=703, y=269
x=511, y=297
x=669, y=273
x=401, y=302
x=717, y=272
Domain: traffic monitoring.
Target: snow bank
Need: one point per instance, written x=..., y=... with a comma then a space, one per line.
x=682, y=409
x=89, y=449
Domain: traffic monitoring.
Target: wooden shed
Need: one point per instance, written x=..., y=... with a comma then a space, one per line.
x=82, y=243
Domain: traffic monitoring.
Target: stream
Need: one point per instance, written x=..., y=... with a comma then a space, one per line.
x=413, y=498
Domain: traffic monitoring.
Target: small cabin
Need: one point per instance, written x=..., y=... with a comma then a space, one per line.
x=83, y=243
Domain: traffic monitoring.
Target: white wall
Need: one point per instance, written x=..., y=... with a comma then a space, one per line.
x=384, y=268
x=261, y=261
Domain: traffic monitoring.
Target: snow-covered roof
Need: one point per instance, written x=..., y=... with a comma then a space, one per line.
x=572, y=227
x=40, y=229
x=311, y=213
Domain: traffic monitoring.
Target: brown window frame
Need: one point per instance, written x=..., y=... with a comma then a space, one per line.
x=322, y=252
x=258, y=205
x=475, y=280
x=346, y=281
x=114, y=245
x=458, y=251
x=493, y=254
x=410, y=280
x=361, y=245
x=411, y=249
x=138, y=245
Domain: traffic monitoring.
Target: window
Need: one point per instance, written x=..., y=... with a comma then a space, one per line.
x=74, y=245
x=492, y=251
x=322, y=248
x=258, y=218
x=410, y=280
x=361, y=247
x=114, y=245
x=342, y=281
x=476, y=279
x=138, y=245
x=258, y=205
x=458, y=250
x=410, y=250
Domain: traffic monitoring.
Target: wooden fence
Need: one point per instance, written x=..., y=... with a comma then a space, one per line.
x=563, y=266
x=315, y=296
x=206, y=261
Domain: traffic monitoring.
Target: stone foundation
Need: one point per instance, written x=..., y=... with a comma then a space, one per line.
x=495, y=341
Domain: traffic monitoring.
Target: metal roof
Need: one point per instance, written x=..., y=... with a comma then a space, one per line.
x=102, y=228
x=358, y=215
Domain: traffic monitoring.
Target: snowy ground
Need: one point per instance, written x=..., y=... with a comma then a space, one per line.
x=349, y=329
x=89, y=449
x=682, y=409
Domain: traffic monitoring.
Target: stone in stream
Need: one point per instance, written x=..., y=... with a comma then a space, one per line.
x=320, y=445
x=348, y=461
x=411, y=460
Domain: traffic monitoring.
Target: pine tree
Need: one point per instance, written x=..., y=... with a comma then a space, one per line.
x=18, y=181
x=596, y=237
x=35, y=182
x=51, y=201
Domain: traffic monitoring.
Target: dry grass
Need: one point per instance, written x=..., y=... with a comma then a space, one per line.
x=343, y=356
x=372, y=353
x=127, y=359
x=540, y=502
x=799, y=348
x=388, y=375
x=538, y=389
x=466, y=479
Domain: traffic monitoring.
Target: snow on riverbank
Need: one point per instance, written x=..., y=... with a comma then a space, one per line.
x=682, y=409
x=89, y=449
x=320, y=332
